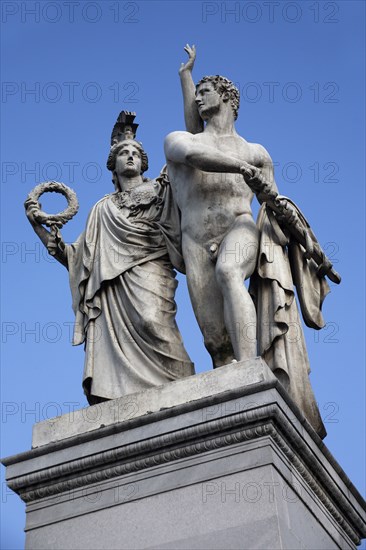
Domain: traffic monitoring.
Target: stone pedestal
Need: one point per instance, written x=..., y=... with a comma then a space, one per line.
x=223, y=459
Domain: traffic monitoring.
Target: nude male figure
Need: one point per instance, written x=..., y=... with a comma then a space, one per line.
x=208, y=168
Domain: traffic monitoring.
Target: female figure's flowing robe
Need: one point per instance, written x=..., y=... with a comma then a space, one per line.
x=281, y=265
x=123, y=286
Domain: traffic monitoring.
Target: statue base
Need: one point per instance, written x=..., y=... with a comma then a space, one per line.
x=223, y=459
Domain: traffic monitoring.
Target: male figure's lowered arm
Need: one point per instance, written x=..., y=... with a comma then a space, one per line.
x=182, y=148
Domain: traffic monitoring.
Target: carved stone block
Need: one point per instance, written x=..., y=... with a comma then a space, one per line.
x=220, y=460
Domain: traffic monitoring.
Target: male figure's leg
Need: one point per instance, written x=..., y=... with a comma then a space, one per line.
x=236, y=262
x=207, y=302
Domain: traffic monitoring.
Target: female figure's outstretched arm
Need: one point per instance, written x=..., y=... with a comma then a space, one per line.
x=52, y=241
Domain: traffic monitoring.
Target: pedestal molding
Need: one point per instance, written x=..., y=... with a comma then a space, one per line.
x=268, y=420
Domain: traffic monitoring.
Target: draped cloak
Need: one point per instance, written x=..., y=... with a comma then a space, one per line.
x=281, y=264
x=123, y=286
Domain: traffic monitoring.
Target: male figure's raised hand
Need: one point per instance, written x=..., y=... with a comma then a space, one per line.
x=188, y=66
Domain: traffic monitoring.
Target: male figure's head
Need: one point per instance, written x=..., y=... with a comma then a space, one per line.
x=211, y=91
x=127, y=159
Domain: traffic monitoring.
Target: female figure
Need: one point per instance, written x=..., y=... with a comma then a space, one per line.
x=123, y=283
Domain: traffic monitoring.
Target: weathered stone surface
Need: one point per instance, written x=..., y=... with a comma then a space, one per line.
x=121, y=274
x=237, y=467
x=152, y=400
x=214, y=174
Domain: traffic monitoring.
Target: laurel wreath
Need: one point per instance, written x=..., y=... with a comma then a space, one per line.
x=62, y=217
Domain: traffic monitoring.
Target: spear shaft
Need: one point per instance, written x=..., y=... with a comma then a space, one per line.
x=289, y=218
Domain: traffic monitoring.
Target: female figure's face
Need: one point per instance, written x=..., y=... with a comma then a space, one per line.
x=128, y=161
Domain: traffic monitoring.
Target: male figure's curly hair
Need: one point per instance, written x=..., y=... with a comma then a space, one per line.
x=222, y=85
x=115, y=149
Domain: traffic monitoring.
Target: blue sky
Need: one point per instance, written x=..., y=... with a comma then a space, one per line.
x=69, y=69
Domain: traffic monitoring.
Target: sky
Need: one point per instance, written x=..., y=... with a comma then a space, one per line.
x=69, y=68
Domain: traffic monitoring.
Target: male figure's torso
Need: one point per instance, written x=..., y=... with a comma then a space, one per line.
x=210, y=202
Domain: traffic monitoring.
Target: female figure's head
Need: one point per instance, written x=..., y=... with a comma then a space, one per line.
x=127, y=159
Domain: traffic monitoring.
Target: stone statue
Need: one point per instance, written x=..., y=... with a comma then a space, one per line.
x=122, y=279
x=214, y=174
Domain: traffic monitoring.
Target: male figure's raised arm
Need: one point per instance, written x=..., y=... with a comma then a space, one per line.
x=194, y=123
